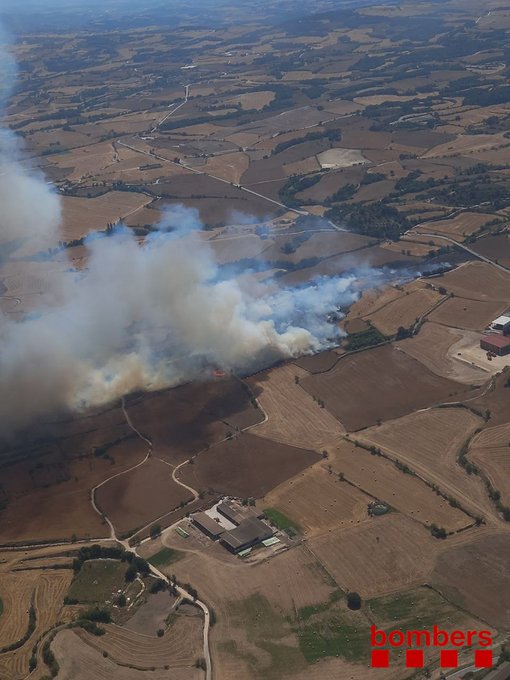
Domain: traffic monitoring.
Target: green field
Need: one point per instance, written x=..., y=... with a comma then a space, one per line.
x=97, y=581
x=280, y=520
x=335, y=633
x=165, y=557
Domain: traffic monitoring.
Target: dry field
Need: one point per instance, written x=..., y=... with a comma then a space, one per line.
x=49, y=590
x=292, y=415
x=246, y=466
x=467, y=314
x=229, y=166
x=464, y=224
x=429, y=442
x=83, y=215
x=408, y=494
x=477, y=281
x=466, y=144
x=379, y=384
x=404, y=311
x=16, y=591
x=378, y=557
x=179, y=647
x=475, y=576
x=433, y=347
x=372, y=300
x=325, y=244
x=136, y=498
x=317, y=501
x=490, y=451
x=341, y=158
x=253, y=100
x=76, y=658
x=410, y=247
x=495, y=247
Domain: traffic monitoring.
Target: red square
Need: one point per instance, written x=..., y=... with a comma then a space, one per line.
x=449, y=658
x=414, y=658
x=380, y=658
x=483, y=658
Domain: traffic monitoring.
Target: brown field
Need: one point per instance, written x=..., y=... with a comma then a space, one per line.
x=76, y=658
x=468, y=314
x=302, y=167
x=202, y=414
x=475, y=576
x=325, y=244
x=232, y=249
x=404, y=311
x=246, y=465
x=407, y=493
x=409, y=247
x=429, y=442
x=478, y=281
x=253, y=100
x=317, y=501
x=379, y=384
x=464, y=224
x=323, y=361
x=432, y=346
x=83, y=215
x=16, y=592
x=378, y=557
x=495, y=400
x=293, y=417
x=495, y=247
x=136, y=498
x=495, y=463
x=372, y=300
x=229, y=166
x=466, y=144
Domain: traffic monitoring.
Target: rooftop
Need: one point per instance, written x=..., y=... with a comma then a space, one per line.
x=249, y=531
x=501, y=321
x=207, y=523
x=496, y=340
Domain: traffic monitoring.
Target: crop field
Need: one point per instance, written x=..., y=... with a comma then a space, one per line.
x=433, y=348
x=76, y=657
x=16, y=592
x=317, y=501
x=461, y=225
x=458, y=571
x=292, y=415
x=136, y=498
x=363, y=558
x=379, y=384
x=246, y=465
x=430, y=442
x=402, y=490
x=494, y=247
x=468, y=314
x=495, y=463
x=404, y=311
x=83, y=215
x=478, y=281
x=229, y=166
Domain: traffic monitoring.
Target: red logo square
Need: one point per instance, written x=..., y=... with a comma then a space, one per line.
x=380, y=658
x=449, y=658
x=414, y=658
x=483, y=658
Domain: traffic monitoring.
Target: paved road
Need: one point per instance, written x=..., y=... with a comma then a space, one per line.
x=464, y=247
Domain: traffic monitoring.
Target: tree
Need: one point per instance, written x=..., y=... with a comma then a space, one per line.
x=155, y=530
x=354, y=601
x=160, y=632
x=131, y=573
x=121, y=600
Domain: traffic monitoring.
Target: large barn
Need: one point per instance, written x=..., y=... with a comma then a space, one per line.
x=495, y=343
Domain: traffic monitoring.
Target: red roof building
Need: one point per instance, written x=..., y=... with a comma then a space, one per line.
x=497, y=344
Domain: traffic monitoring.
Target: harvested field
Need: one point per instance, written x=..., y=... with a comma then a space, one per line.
x=76, y=658
x=253, y=100
x=379, y=384
x=326, y=244
x=341, y=158
x=495, y=247
x=464, y=224
x=474, y=315
x=230, y=166
x=317, y=363
x=477, y=281
x=378, y=557
x=246, y=465
x=202, y=413
x=467, y=143
x=83, y=215
x=430, y=442
x=407, y=493
x=318, y=501
x=232, y=249
x=404, y=311
x=496, y=400
x=495, y=464
x=432, y=347
x=475, y=576
x=136, y=498
x=16, y=592
x=292, y=416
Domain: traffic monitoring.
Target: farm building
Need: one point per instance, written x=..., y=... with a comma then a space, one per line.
x=231, y=513
x=249, y=532
x=501, y=325
x=207, y=525
x=497, y=344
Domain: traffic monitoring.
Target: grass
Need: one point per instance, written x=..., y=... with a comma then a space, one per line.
x=418, y=609
x=97, y=581
x=334, y=634
x=304, y=613
x=280, y=520
x=164, y=557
